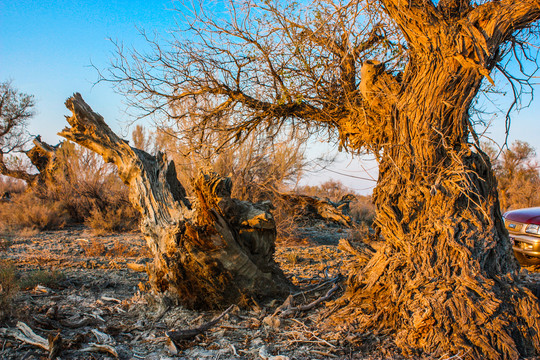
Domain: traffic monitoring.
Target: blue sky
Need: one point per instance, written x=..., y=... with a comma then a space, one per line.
x=47, y=49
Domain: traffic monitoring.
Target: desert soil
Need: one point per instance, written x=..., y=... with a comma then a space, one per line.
x=91, y=294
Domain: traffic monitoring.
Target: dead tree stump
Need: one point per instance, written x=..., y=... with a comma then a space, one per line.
x=210, y=253
x=42, y=156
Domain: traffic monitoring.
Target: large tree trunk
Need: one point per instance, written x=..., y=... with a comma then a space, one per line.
x=214, y=252
x=445, y=282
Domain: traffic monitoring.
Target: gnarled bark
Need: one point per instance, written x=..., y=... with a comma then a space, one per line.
x=42, y=156
x=445, y=282
x=211, y=253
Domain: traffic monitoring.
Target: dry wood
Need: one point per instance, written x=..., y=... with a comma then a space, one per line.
x=25, y=334
x=263, y=353
x=214, y=251
x=312, y=207
x=287, y=307
x=136, y=267
x=55, y=345
x=42, y=156
x=188, y=334
x=101, y=348
x=363, y=253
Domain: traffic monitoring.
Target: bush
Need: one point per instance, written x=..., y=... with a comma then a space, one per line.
x=80, y=188
x=362, y=210
x=116, y=217
x=11, y=185
x=28, y=211
x=518, y=175
x=85, y=186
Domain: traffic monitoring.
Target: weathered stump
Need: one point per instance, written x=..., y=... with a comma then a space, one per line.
x=210, y=253
x=42, y=156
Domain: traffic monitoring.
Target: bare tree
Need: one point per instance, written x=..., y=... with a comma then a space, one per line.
x=396, y=78
x=142, y=139
x=15, y=110
x=257, y=166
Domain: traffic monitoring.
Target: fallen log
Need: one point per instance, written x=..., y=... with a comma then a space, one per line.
x=53, y=345
x=312, y=207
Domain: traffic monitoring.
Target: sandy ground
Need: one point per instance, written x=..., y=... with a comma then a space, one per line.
x=90, y=294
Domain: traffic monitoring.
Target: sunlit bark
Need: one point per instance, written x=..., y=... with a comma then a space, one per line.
x=211, y=253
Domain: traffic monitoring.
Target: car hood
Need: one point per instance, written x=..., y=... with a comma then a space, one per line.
x=527, y=216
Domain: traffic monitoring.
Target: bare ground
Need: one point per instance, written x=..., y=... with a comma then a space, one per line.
x=91, y=294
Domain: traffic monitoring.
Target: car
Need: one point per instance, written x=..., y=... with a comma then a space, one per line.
x=523, y=226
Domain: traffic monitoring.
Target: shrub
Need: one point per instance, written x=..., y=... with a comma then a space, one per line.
x=28, y=211
x=518, y=175
x=11, y=185
x=5, y=241
x=82, y=183
x=94, y=248
x=362, y=210
x=80, y=187
x=114, y=217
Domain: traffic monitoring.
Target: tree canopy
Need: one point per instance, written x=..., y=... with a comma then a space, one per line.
x=266, y=63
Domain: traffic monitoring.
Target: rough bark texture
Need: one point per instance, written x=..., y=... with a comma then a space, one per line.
x=42, y=156
x=214, y=252
x=445, y=282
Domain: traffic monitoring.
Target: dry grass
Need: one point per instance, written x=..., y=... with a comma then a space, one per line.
x=293, y=258
x=11, y=282
x=119, y=249
x=94, y=248
x=9, y=286
x=47, y=278
x=27, y=211
x=5, y=242
x=120, y=218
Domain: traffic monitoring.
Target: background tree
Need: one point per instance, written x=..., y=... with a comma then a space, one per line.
x=396, y=78
x=518, y=175
x=16, y=109
x=143, y=139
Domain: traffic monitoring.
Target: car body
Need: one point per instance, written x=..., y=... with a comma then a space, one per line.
x=523, y=226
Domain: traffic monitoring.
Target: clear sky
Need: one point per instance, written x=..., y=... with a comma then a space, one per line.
x=47, y=49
